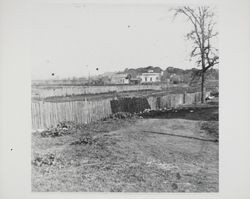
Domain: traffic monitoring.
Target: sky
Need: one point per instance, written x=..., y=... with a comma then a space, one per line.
x=73, y=39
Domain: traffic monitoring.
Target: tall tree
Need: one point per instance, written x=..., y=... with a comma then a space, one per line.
x=201, y=35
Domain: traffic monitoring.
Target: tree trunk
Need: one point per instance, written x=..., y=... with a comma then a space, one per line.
x=202, y=87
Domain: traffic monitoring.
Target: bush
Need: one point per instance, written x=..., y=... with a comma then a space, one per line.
x=63, y=128
x=47, y=159
x=87, y=139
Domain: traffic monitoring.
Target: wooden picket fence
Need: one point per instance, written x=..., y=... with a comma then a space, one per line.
x=174, y=100
x=47, y=114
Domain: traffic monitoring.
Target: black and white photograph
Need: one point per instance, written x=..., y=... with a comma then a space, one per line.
x=125, y=98
x=144, y=99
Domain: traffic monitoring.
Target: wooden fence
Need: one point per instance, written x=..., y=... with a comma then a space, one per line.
x=43, y=92
x=47, y=114
x=174, y=100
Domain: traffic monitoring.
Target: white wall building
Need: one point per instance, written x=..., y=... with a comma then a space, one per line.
x=150, y=77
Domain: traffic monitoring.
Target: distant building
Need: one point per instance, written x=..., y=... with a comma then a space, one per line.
x=150, y=77
x=120, y=78
x=135, y=80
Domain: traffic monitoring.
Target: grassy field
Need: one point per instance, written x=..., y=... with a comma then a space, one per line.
x=131, y=155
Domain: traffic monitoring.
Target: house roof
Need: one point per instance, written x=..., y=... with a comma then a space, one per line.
x=150, y=74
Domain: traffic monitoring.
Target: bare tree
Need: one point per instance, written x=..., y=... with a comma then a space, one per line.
x=201, y=35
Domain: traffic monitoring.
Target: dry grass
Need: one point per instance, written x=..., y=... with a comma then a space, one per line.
x=117, y=156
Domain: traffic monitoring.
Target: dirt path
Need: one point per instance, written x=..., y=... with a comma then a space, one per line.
x=132, y=160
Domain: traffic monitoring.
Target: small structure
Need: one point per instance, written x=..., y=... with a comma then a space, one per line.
x=120, y=78
x=150, y=77
x=135, y=80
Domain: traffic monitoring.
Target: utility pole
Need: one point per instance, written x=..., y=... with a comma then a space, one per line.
x=88, y=74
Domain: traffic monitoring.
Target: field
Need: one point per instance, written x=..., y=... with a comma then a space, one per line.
x=167, y=151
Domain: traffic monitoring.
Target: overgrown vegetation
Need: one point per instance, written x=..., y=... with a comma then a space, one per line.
x=63, y=128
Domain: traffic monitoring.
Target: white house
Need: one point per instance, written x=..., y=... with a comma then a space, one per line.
x=150, y=77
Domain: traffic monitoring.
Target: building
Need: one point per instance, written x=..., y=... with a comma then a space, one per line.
x=120, y=78
x=150, y=77
x=135, y=80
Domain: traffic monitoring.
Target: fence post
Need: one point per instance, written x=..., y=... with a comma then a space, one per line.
x=205, y=92
x=184, y=97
